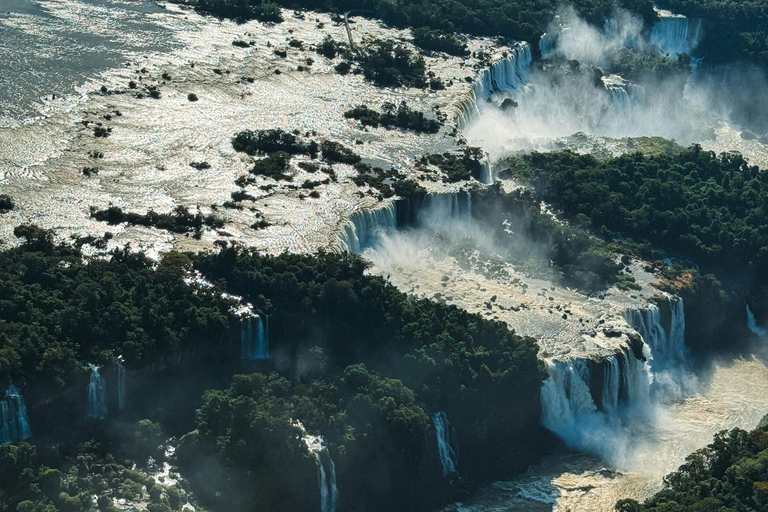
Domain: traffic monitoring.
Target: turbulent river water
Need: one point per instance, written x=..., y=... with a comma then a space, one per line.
x=52, y=47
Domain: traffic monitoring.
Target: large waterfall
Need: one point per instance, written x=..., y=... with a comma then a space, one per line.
x=364, y=227
x=752, y=324
x=120, y=383
x=254, y=338
x=506, y=74
x=13, y=414
x=448, y=456
x=97, y=395
x=596, y=422
x=675, y=34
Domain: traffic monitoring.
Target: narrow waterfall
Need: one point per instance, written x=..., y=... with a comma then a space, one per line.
x=326, y=469
x=364, y=228
x=675, y=34
x=448, y=456
x=547, y=44
x=436, y=209
x=13, y=414
x=326, y=481
x=97, y=395
x=506, y=74
x=254, y=340
x=596, y=423
x=120, y=384
x=752, y=324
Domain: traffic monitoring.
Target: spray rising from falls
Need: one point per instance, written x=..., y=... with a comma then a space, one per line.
x=254, y=339
x=752, y=324
x=13, y=414
x=120, y=383
x=97, y=395
x=448, y=456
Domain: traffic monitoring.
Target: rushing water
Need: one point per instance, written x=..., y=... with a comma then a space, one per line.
x=97, y=395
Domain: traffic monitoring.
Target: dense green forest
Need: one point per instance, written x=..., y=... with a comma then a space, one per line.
x=697, y=205
x=731, y=474
x=354, y=360
x=520, y=20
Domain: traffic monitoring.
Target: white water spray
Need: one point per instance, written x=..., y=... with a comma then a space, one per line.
x=448, y=456
x=14, y=423
x=254, y=339
x=674, y=34
x=97, y=395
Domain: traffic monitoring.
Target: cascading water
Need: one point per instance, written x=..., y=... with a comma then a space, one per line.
x=326, y=480
x=436, y=209
x=326, y=470
x=120, y=383
x=364, y=227
x=448, y=456
x=547, y=44
x=752, y=324
x=97, y=395
x=667, y=348
x=13, y=414
x=675, y=34
x=507, y=74
x=569, y=408
x=254, y=340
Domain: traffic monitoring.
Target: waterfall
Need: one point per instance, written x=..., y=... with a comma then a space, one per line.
x=448, y=456
x=752, y=324
x=506, y=74
x=363, y=228
x=254, y=341
x=120, y=383
x=13, y=414
x=326, y=469
x=570, y=411
x=667, y=347
x=547, y=44
x=674, y=34
x=97, y=395
x=437, y=209
x=326, y=481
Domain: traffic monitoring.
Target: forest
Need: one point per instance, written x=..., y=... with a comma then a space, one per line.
x=353, y=360
x=695, y=204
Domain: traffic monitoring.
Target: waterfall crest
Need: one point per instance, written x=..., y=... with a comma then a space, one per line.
x=120, y=384
x=13, y=414
x=675, y=34
x=364, y=228
x=97, y=395
x=752, y=324
x=254, y=340
x=506, y=74
x=448, y=456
